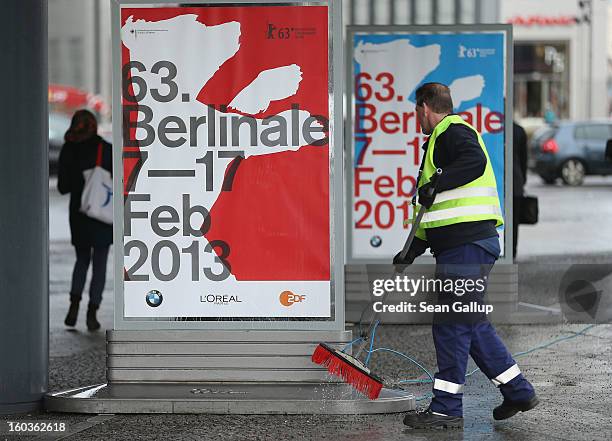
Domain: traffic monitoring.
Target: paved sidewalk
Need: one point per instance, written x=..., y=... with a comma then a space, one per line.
x=566, y=214
x=571, y=377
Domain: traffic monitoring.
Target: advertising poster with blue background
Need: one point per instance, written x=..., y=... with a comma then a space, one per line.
x=386, y=136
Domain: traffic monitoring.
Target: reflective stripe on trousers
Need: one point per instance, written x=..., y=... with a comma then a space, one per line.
x=448, y=386
x=506, y=376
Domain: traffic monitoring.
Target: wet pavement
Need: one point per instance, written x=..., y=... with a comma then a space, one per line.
x=573, y=221
x=571, y=377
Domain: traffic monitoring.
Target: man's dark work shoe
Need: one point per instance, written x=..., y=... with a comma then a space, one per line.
x=429, y=420
x=510, y=408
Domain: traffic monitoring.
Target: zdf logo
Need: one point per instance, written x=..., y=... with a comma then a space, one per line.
x=287, y=298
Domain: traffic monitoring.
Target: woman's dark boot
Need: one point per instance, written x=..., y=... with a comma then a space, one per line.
x=92, y=321
x=73, y=312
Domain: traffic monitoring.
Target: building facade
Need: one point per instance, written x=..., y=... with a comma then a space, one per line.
x=561, y=48
x=384, y=12
x=560, y=58
x=79, y=39
x=610, y=58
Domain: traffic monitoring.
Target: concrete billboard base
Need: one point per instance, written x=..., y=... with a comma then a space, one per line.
x=227, y=398
x=222, y=372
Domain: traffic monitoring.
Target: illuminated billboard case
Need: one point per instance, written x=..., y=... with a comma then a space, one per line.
x=227, y=164
x=385, y=67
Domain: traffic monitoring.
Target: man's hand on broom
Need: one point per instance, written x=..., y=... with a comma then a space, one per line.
x=407, y=260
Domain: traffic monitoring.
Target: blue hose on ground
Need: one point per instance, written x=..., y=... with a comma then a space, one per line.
x=367, y=360
x=431, y=378
x=349, y=344
x=401, y=354
x=543, y=346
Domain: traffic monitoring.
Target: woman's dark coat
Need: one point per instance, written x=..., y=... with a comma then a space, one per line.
x=74, y=158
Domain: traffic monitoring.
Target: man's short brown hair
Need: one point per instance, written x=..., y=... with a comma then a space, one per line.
x=436, y=95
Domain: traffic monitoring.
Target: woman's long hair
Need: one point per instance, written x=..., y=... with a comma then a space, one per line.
x=82, y=127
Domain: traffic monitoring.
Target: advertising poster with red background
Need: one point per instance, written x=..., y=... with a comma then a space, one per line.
x=226, y=161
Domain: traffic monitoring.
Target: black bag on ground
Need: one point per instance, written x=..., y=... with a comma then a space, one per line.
x=529, y=210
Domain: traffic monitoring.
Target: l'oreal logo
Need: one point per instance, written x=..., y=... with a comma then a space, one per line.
x=219, y=299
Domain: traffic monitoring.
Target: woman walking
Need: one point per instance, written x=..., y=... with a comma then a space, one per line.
x=83, y=150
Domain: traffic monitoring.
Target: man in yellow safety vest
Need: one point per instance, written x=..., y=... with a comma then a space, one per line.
x=460, y=226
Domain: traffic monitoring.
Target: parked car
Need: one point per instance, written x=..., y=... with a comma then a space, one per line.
x=571, y=150
x=58, y=124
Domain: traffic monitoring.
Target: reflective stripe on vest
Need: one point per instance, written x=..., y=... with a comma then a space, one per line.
x=468, y=192
x=470, y=210
x=474, y=201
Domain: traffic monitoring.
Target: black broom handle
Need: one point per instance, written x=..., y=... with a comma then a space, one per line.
x=434, y=182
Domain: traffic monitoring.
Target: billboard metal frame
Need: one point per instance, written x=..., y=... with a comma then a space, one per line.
x=335, y=89
x=349, y=126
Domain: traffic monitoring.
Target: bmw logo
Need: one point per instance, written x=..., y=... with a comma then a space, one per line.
x=154, y=298
x=376, y=241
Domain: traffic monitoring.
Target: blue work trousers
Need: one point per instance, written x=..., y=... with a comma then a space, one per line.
x=457, y=336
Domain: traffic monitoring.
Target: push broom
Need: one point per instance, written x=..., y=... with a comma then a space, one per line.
x=350, y=368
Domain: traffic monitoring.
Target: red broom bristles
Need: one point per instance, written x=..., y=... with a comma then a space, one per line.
x=351, y=374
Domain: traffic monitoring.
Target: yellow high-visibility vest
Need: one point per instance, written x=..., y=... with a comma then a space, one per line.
x=475, y=201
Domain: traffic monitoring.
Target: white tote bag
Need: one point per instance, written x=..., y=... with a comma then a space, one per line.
x=97, y=197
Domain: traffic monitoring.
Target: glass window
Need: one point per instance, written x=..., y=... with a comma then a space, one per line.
x=446, y=11
x=544, y=133
x=347, y=5
x=54, y=60
x=58, y=124
x=362, y=12
x=540, y=57
x=541, y=80
x=382, y=9
x=402, y=12
x=423, y=12
x=593, y=132
x=76, y=60
x=467, y=11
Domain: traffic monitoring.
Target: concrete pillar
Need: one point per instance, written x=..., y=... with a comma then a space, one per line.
x=24, y=199
x=598, y=59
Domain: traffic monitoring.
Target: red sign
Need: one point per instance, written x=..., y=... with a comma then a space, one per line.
x=73, y=98
x=541, y=20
